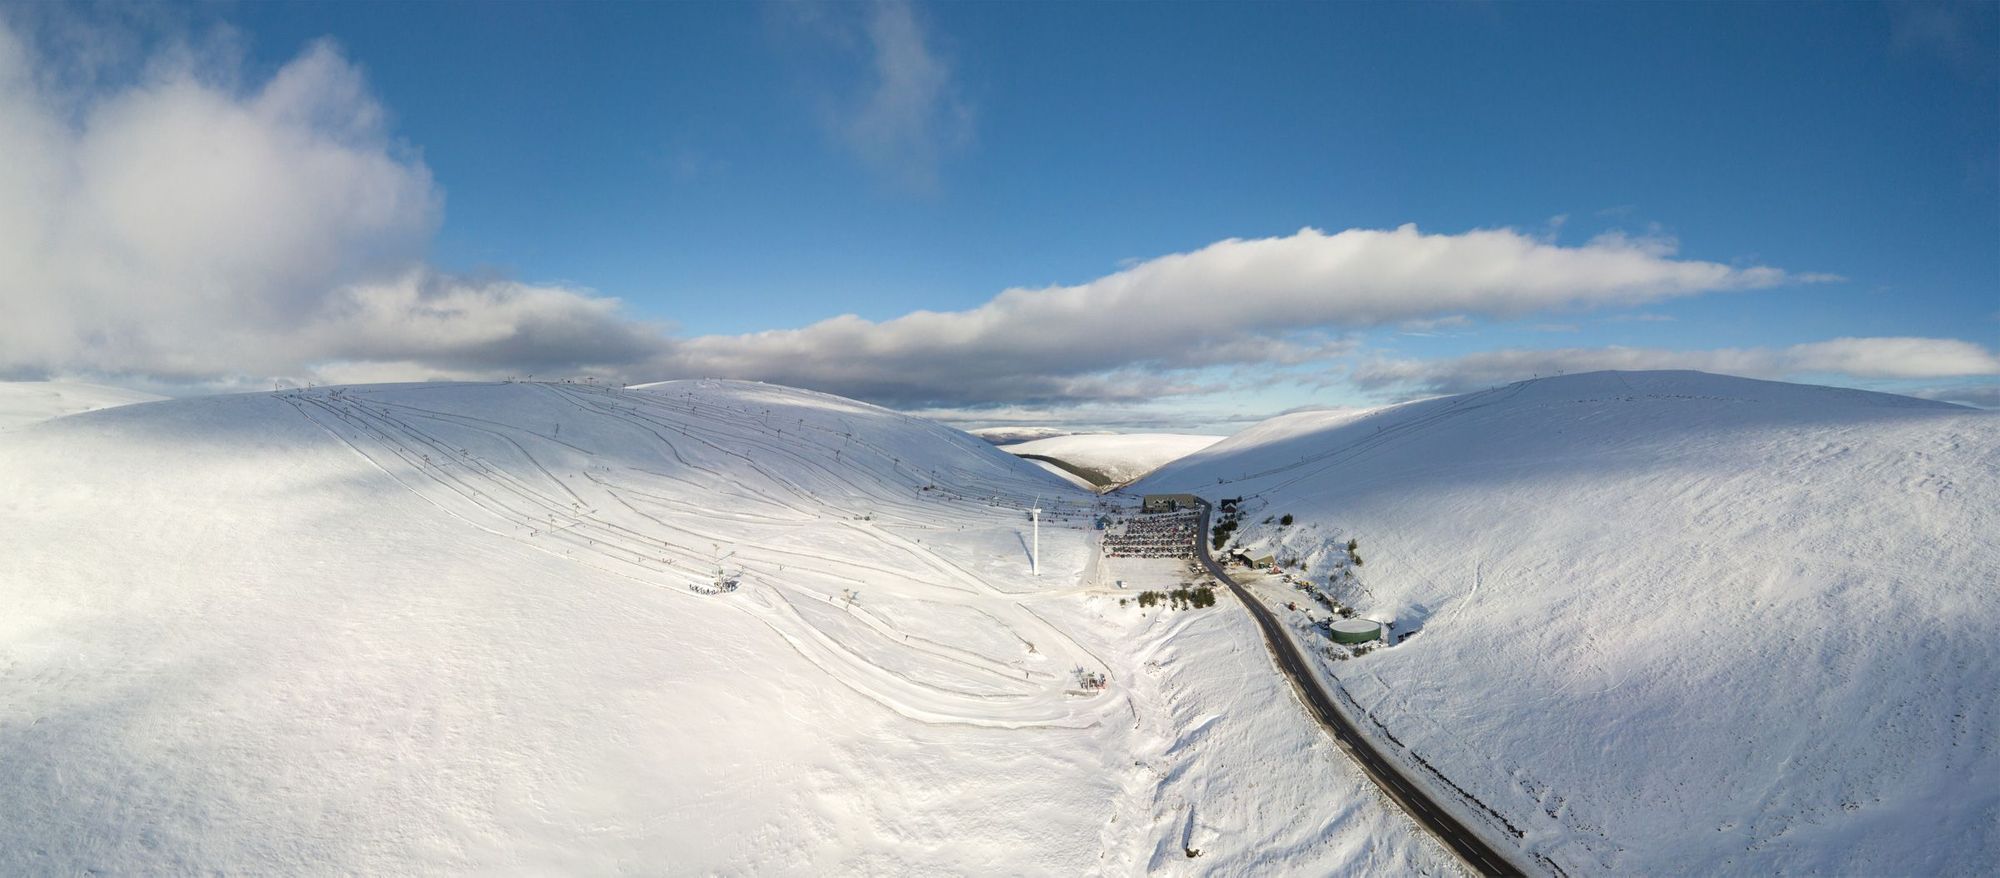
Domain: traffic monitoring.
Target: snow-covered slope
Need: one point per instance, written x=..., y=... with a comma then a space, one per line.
x=1666, y=622
x=1115, y=458
x=461, y=628
x=27, y=402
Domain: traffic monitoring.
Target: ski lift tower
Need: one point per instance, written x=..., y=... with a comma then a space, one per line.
x=1035, y=554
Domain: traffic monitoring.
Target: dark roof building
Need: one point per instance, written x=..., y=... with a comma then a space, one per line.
x=1167, y=502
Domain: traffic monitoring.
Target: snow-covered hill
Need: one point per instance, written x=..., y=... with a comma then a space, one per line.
x=1666, y=622
x=468, y=628
x=1011, y=435
x=28, y=402
x=1114, y=458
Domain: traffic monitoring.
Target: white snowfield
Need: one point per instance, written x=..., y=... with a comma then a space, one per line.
x=1119, y=457
x=28, y=402
x=1668, y=622
x=470, y=628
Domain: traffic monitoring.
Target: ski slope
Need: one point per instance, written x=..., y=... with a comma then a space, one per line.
x=483, y=628
x=1664, y=622
x=28, y=402
x=1116, y=458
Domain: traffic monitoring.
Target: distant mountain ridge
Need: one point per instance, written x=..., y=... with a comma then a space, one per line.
x=1108, y=459
x=27, y=402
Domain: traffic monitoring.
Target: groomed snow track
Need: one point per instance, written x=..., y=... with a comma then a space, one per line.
x=787, y=464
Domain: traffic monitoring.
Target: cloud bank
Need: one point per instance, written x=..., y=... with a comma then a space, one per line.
x=1881, y=358
x=1238, y=301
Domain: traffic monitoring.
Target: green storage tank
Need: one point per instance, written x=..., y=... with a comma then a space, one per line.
x=1355, y=630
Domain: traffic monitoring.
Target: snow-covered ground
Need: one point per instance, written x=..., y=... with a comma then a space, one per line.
x=28, y=402
x=1115, y=458
x=1665, y=622
x=1221, y=757
x=462, y=628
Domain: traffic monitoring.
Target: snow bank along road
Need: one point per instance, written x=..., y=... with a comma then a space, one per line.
x=1468, y=846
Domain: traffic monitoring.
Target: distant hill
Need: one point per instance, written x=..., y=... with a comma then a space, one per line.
x=1665, y=622
x=27, y=402
x=1106, y=459
x=1011, y=435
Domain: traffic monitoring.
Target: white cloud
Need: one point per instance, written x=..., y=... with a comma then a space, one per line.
x=179, y=227
x=1236, y=301
x=907, y=117
x=1892, y=358
x=1858, y=358
x=483, y=327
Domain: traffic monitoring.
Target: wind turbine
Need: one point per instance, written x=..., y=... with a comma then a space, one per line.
x=1035, y=554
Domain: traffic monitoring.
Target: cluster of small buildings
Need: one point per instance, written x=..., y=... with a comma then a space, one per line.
x=1343, y=626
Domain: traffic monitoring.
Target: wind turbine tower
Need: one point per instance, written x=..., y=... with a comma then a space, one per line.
x=1035, y=554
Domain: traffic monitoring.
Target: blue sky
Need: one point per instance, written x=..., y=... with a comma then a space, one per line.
x=724, y=170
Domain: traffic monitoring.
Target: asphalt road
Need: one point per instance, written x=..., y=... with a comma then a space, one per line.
x=1387, y=775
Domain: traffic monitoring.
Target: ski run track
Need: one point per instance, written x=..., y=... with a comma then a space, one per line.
x=672, y=525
